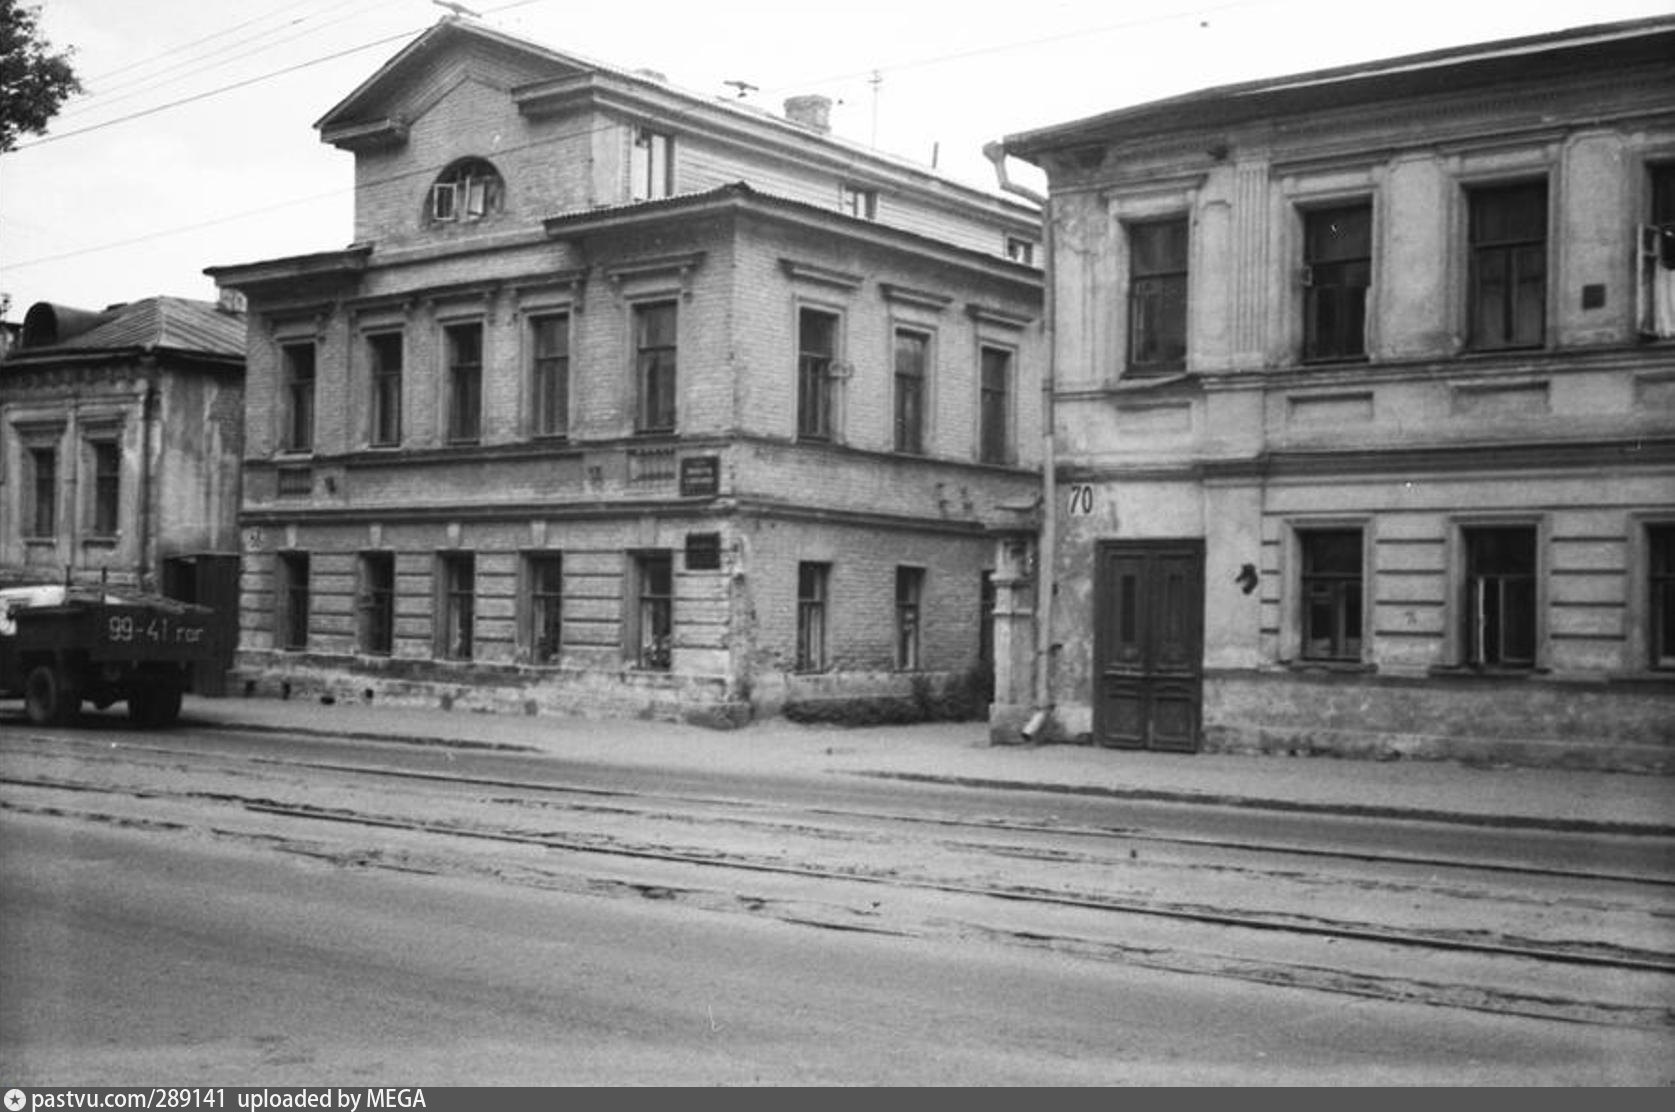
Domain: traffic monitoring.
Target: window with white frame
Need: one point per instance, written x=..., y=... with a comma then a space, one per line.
x=858, y=202
x=467, y=190
x=1499, y=608
x=652, y=165
x=1655, y=289
x=1330, y=594
x=1020, y=250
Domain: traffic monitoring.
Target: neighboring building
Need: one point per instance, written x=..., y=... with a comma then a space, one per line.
x=1364, y=388
x=120, y=438
x=629, y=400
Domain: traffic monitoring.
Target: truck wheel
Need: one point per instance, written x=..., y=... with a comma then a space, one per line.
x=50, y=699
x=154, y=706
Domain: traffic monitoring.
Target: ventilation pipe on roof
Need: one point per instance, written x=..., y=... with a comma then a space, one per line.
x=1046, y=544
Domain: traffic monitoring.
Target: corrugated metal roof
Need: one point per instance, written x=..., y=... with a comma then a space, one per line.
x=176, y=323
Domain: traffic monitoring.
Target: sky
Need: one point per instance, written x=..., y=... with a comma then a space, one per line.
x=193, y=144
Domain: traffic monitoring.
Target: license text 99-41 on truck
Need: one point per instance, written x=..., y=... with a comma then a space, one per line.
x=61, y=646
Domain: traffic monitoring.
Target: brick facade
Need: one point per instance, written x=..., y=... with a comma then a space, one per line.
x=702, y=525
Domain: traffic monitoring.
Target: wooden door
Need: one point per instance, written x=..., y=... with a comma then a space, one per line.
x=1149, y=653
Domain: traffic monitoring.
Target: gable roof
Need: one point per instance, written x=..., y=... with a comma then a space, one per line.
x=1595, y=48
x=155, y=323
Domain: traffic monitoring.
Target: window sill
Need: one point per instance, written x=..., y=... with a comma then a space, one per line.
x=1470, y=672
x=1337, y=667
x=101, y=542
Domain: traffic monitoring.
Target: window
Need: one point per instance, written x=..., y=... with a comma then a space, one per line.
x=43, y=474
x=1157, y=273
x=468, y=190
x=811, y=616
x=292, y=611
x=384, y=350
x=457, y=605
x=1655, y=290
x=544, y=605
x=858, y=202
x=1500, y=603
x=816, y=355
x=994, y=404
x=107, y=488
x=550, y=374
x=654, y=354
x=1020, y=250
x=1337, y=269
x=652, y=165
x=1508, y=271
x=377, y=603
x=651, y=624
x=1331, y=594
x=298, y=434
x=912, y=359
x=465, y=382
x=1661, y=552
x=910, y=586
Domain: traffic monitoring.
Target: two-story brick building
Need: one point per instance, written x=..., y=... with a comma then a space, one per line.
x=1364, y=384
x=631, y=400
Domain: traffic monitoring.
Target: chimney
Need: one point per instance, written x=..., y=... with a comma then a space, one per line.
x=812, y=111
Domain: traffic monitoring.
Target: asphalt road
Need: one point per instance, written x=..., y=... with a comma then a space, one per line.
x=198, y=908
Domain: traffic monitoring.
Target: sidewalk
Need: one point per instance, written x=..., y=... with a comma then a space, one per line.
x=959, y=753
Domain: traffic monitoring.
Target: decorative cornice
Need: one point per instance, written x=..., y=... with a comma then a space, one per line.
x=907, y=295
x=811, y=272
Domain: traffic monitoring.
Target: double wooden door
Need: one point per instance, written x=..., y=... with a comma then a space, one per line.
x=1149, y=644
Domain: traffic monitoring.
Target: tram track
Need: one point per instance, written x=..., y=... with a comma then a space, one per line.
x=1273, y=917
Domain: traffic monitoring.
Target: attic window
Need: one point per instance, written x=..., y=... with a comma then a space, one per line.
x=468, y=190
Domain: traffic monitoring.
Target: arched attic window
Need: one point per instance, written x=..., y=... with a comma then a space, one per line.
x=469, y=189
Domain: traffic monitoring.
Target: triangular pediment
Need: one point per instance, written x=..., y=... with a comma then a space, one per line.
x=454, y=51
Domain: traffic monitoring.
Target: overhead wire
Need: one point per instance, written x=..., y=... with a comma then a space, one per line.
x=548, y=139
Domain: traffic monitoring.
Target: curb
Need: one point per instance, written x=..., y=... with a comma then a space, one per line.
x=1254, y=803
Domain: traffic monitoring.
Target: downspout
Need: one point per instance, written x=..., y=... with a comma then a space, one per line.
x=1047, y=545
x=148, y=417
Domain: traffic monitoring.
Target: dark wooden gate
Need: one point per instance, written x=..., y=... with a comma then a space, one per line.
x=209, y=579
x=1149, y=644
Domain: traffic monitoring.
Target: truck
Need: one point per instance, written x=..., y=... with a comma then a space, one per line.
x=62, y=645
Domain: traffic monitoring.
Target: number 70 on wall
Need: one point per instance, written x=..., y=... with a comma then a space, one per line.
x=1081, y=500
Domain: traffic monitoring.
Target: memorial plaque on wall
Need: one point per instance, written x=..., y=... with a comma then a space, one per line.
x=700, y=475
x=703, y=551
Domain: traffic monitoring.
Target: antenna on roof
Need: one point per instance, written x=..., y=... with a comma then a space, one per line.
x=744, y=88
x=457, y=9
x=875, y=81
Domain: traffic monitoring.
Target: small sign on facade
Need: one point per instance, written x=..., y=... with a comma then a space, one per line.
x=700, y=475
x=703, y=551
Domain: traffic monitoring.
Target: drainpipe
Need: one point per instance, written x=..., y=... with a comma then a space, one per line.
x=148, y=417
x=1046, y=546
